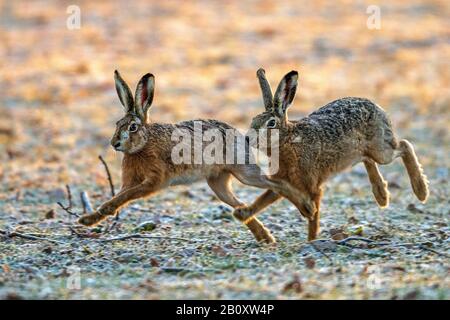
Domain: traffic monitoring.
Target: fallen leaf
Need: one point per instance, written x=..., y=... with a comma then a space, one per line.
x=412, y=295
x=294, y=285
x=145, y=226
x=309, y=262
x=47, y=250
x=339, y=236
x=13, y=296
x=219, y=251
x=357, y=231
x=412, y=207
x=334, y=231
x=353, y=220
x=154, y=262
x=50, y=214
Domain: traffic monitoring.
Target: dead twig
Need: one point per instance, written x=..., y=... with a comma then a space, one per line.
x=28, y=236
x=108, y=173
x=136, y=208
x=143, y=236
x=321, y=252
x=75, y=232
x=114, y=223
x=70, y=203
x=187, y=270
x=344, y=241
x=399, y=244
x=69, y=196
x=67, y=209
x=84, y=235
x=424, y=247
x=374, y=243
x=113, y=193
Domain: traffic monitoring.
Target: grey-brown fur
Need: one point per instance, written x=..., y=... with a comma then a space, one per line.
x=148, y=166
x=340, y=134
x=329, y=140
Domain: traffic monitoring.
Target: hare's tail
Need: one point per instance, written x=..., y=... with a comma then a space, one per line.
x=419, y=181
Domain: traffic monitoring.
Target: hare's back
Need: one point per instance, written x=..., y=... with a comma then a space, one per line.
x=348, y=111
x=346, y=115
x=203, y=125
x=344, y=128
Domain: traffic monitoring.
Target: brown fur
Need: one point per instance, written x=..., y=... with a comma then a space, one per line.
x=147, y=165
x=334, y=137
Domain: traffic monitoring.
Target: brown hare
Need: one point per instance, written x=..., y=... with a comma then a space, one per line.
x=336, y=136
x=148, y=167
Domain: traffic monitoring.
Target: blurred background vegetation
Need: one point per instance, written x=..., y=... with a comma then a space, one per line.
x=58, y=103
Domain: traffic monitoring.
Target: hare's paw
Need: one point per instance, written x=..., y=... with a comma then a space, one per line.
x=242, y=213
x=262, y=234
x=91, y=219
x=381, y=193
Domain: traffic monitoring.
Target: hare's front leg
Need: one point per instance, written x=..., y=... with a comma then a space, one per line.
x=247, y=215
x=308, y=204
x=221, y=185
x=314, y=220
x=110, y=207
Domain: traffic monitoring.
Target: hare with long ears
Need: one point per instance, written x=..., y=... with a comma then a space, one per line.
x=336, y=136
x=147, y=165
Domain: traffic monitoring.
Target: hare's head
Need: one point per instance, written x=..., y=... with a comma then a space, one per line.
x=275, y=115
x=131, y=132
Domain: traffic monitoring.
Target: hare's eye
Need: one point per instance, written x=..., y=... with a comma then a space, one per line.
x=271, y=123
x=133, y=127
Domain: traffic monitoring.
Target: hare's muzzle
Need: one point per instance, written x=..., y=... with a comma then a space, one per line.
x=116, y=145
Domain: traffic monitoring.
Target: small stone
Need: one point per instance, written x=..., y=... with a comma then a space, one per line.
x=154, y=262
x=13, y=296
x=127, y=257
x=339, y=236
x=310, y=263
x=47, y=250
x=353, y=220
x=145, y=226
x=412, y=207
x=50, y=214
x=294, y=285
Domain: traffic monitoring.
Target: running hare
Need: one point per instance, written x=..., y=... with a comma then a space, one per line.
x=148, y=167
x=336, y=136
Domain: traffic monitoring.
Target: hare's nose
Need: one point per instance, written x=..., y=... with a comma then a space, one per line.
x=116, y=145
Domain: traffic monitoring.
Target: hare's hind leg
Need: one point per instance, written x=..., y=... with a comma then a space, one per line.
x=404, y=149
x=419, y=181
x=379, y=185
x=221, y=185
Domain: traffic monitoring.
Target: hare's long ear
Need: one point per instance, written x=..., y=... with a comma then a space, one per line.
x=265, y=89
x=285, y=93
x=144, y=95
x=124, y=92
